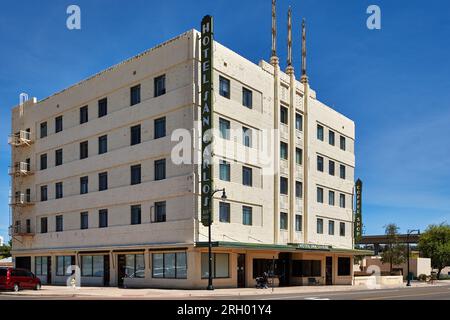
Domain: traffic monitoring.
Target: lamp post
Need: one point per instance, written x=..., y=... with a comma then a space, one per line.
x=210, y=275
x=408, y=284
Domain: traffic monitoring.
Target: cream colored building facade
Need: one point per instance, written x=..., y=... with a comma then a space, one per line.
x=126, y=214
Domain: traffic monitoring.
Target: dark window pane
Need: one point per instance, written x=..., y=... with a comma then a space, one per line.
x=58, y=124
x=284, y=188
x=331, y=168
x=343, y=143
x=84, y=150
x=298, y=223
x=331, y=138
x=247, y=98
x=247, y=176
x=224, y=128
x=59, y=190
x=84, y=115
x=58, y=157
x=283, y=115
x=160, y=211
x=84, y=183
x=43, y=161
x=102, y=181
x=344, y=268
x=342, y=171
x=284, y=149
x=135, y=95
x=298, y=122
x=136, y=174
x=160, y=169
x=135, y=214
x=224, y=212
x=160, y=128
x=44, y=193
x=320, y=163
x=84, y=220
x=160, y=86
x=102, y=107
x=320, y=132
x=59, y=223
x=247, y=216
x=319, y=195
x=224, y=87
x=298, y=189
x=283, y=221
x=224, y=171
x=44, y=225
x=135, y=135
x=103, y=144
x=103, y=218
x=43, y=130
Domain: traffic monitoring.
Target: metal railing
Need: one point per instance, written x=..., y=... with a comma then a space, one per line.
x=21, y=230
x=21, y=199
x=20, y=169
x=20, y=138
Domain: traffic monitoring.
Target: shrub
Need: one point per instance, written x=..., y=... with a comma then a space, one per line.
x=422, y=277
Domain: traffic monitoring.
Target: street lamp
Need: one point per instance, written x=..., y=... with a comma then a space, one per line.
x=210, y=275
x=408, y=284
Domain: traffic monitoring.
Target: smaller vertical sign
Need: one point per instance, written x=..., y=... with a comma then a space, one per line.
x=207, y=119
x=358, y=211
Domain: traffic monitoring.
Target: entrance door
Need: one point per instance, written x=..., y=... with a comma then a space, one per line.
x=121, y=263
x=49, y=270
x=284, y=260
x=241, y=271
x=23, y=263
x=329, y=271
x=106, y=270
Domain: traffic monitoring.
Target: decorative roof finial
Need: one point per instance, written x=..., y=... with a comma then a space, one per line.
x=289, y=57
x=304, y=78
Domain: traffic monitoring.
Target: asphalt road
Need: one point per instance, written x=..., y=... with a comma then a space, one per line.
x=418, y=293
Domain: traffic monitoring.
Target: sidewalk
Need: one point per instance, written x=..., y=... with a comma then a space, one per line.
x=110, y=292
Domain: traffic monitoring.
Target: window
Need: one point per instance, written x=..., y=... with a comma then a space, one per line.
x=306, y=268
x=224, y=87
x=331, y=168
x=84, y=114
x=135, y=174
x=298, y=223
x=160, y=211
x=84, y=185
x=44, y=193
x=331, y=228
x=247, y=98
x=135, y=135
x=331, y=198
x=283, y=221
x=103, y=144
x=284, y=150
x=103, y=218
x=62, y=264
x=298, y=189
x=92, y=266
x=160, y=85
x=247, y=216
x=319, y=132
x=134, y=266
x=58, y=157
x=298, y=121
x=224, y=212
x=331, y=138
x=224, y=171
x=160, y=169
x=169, y=265
x=135, y=95
x=247, y=176
x=283, y=115
x=247, y=137
x=84, y=150
x=58, y=124
x=102, y=107
x=28, y=195
x=84, y=220
x=58, y=190
x=41, y=266
x=103, y=181
x=220, y=265
x=344, y=266
x=342, y=171
x=320, y=163
x=44, y=225
x=59, y=223
x=342, y=229
x=43, y=161
x=160, y=128
x=320, y=226
x=319, y=195
x=342, y=200
x=224, y=127
x=298, y=156
x=43, y=129
x=284, y=188
x=343, y=143
x=135, y=214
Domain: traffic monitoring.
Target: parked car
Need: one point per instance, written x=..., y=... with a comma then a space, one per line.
x=17, y=279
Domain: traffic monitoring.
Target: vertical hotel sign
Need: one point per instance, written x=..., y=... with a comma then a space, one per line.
x=358, y=211
x=207, y=118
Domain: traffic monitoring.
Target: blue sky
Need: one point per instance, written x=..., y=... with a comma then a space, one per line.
x=394, y=82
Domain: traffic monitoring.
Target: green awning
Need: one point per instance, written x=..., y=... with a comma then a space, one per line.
x=292, y=247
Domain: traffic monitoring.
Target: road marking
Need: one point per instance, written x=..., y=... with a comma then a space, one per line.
x=317, y=299
x=406, y=296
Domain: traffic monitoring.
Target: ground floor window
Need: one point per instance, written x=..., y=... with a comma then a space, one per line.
x=135, y=266
x=220, y=265
x=306, y=268
x=92, y=266
x=344, y=266
x=169, y=265
x=260, y=266
x=40, y=266
x=62, y=264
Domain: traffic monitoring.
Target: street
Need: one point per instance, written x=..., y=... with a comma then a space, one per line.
x=405, y=293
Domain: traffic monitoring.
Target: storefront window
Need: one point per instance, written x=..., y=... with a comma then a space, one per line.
x=62, y=264
x=306, y=268
x=41, y=266
x=135, y=266
x=169, y=265
x=220, y=266
x=344, y=266
x=92, y=266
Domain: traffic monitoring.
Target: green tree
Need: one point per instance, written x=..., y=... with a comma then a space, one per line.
x=5, y=251
x=394, y=253
x=435, y=244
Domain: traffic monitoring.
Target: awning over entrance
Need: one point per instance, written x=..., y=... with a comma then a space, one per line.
x=291, y=247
